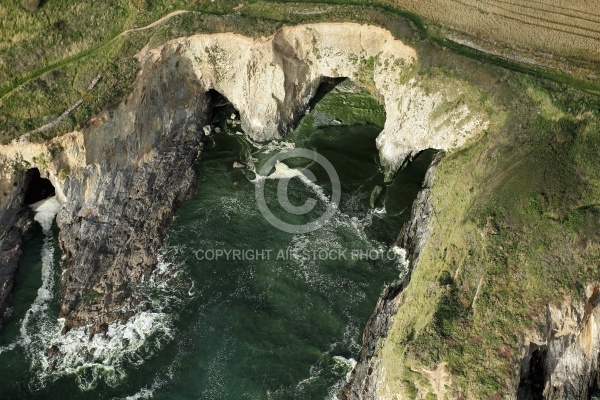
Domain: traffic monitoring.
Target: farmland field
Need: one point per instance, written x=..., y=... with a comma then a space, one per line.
x=569, y=29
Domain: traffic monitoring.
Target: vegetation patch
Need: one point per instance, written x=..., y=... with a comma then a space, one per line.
x=517, y=229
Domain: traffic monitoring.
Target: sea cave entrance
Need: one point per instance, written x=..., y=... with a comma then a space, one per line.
x=37, y=188
x=262, y=322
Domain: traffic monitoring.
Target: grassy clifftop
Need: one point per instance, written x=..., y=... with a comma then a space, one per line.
x=51, y=54
x=516, y=227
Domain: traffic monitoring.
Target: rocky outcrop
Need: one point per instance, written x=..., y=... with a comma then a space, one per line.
x=139, y=167
x=561, y=360
x=14, y=220
x=271, y=82
x=364, y=380
x=119, y=182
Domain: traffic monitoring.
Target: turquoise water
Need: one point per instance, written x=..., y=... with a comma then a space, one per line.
x=265, y=328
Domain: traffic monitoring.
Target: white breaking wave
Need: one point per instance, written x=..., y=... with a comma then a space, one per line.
x=402, y=262
x=104, y=356
x=380, y=211
x=347, y=364
x=45, y=212
x=283, y=171
x=263, y=149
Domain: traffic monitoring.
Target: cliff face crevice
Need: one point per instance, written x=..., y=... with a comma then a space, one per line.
x=561, y=360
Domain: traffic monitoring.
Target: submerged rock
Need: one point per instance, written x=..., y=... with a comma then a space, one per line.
x=239, y=165
x=375, y=195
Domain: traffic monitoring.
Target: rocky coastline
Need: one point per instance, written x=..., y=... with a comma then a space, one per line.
x=364, y=380
x=120, y=179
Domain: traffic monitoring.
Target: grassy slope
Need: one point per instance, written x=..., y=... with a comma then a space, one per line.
x=516, y=211
x=521, y=221
x=49, y=57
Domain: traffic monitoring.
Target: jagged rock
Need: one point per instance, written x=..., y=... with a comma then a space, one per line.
x=561, y=362
x=14, y=222
x=207, y=129
x=365, y=380
x=239, y=165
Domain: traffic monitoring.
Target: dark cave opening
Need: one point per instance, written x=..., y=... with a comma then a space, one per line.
x=225, y=126
x=223, y=116
x=531, y=385
x=37, y=188
x=536, y=368
x=217, y=100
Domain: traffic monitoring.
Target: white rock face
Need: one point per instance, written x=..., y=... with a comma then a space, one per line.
x=569, y=345
x=62, y=154
x=271, y=81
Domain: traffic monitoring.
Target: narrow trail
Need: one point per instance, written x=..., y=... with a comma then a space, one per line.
x=155, y=23
x=53, y=123
x=488, y=57
x=84, y=53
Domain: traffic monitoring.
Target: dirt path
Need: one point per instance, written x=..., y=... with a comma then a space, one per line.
x=65, y=114
x=155, y=23
x=75, y=57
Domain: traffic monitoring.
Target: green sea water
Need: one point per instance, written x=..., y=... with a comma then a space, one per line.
x=279, y=326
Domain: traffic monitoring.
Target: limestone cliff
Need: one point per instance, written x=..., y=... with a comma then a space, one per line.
x=561, y=359
x=271, y=82
x=119, y=180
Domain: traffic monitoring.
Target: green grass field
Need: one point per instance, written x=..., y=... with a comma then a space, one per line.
x=517, y=227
